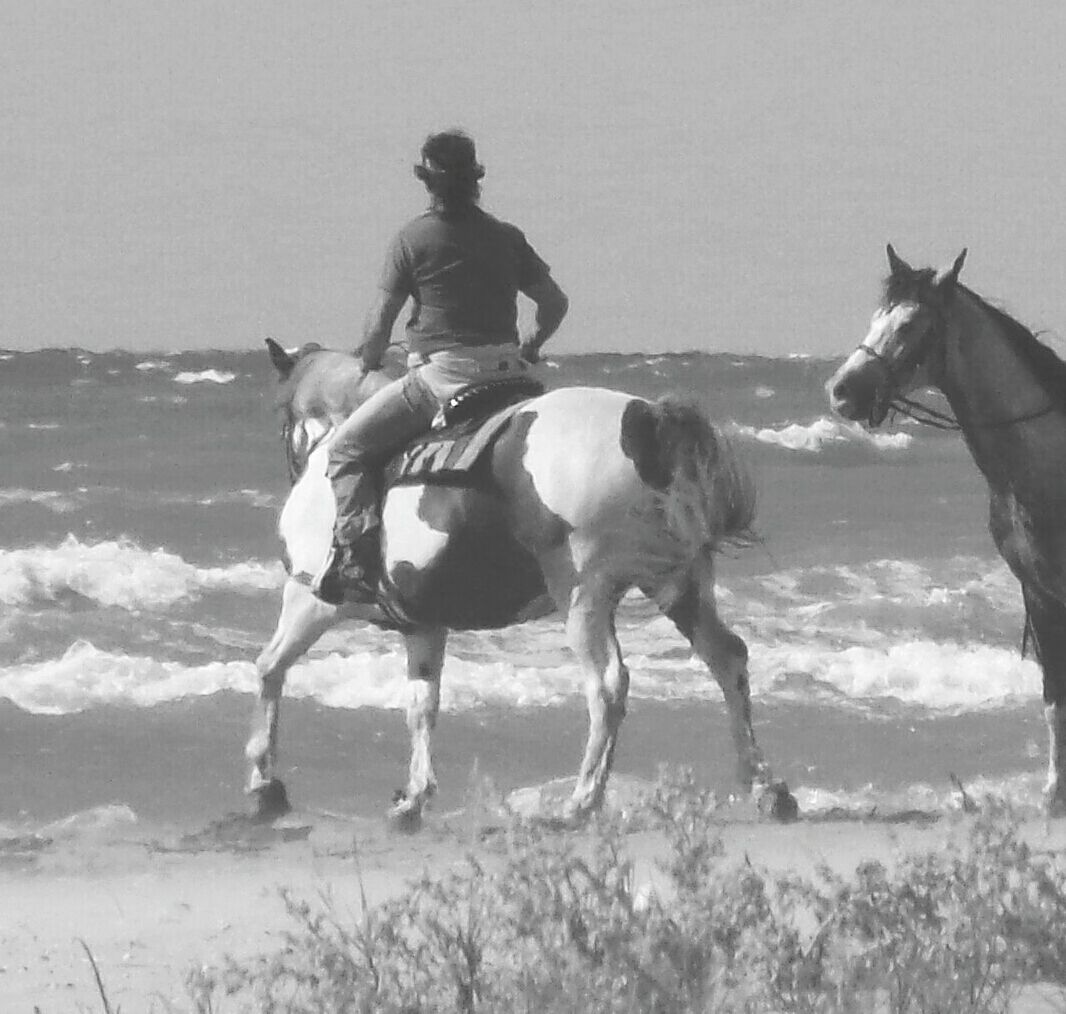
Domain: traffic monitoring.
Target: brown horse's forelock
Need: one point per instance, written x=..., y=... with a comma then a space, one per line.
x=910, y=287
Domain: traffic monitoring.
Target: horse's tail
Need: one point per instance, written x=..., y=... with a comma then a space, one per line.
x=704, y=492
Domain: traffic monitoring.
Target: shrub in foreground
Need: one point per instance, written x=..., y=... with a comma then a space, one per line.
x=558, y=925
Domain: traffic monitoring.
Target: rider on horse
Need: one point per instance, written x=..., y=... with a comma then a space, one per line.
x=462, y=268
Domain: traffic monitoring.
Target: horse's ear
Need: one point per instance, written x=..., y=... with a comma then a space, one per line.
x=949, y=276
x=281, y=359
x=897, y=265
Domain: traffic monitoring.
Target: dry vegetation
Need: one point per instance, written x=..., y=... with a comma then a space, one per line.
x=555, y=924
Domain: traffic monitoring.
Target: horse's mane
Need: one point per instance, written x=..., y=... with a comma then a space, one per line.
x=1045, y=364
x=1047, y=367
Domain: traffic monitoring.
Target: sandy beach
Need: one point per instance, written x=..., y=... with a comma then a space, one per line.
x=152, y=904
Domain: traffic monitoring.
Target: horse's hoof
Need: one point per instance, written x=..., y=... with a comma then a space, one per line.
x=571, y=817
x=271, y=802
x=1054, y=804
x=777, y=803
x=405, y=819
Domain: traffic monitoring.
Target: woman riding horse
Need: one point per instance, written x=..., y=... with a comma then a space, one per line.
x=463, y=269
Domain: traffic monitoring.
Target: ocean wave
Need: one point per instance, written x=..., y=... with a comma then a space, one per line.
x=961, y=597
x=59, y=503
x=946, y=678
x=937, y=676
x=149, y=365
x=827, y=437
x=205, y=376
x=1018, y=790
x=85, y=676
x=248, y=497
x=119, y=574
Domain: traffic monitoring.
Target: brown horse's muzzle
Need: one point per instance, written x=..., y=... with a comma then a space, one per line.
x=858, y=391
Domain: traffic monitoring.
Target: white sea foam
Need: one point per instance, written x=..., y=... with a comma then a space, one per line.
x=152, y=364
x=119, y=573
x=937, y=676
x=1019, y=790
x=85, y=676
x=59, y=503
x=250, y=497
x=205, y=376
x=827, y=435
x=946, y=678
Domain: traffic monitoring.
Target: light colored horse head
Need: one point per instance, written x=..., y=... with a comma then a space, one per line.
x=903, y=350
x=318, y=389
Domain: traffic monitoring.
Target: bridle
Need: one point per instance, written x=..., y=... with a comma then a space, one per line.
x=925, y=414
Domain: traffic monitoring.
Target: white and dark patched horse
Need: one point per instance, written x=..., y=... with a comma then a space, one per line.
x=565, y=502
x=1007, y=393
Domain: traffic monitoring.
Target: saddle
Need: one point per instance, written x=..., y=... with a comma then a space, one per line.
x=462, y=433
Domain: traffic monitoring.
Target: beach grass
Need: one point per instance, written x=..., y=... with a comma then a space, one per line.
x=545, y=921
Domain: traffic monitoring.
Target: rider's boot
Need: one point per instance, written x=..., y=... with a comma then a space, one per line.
x=351, y=571
x=352, y=568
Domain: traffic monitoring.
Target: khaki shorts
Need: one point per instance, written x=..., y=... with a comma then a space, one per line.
x=445, y=373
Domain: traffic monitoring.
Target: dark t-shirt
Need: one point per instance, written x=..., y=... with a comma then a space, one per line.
x=464, y=272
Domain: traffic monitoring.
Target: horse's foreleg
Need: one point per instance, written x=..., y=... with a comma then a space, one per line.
x=304, y=618
x=695, y=614
x=591, y=634
x=425, y=659
x=1047, y=619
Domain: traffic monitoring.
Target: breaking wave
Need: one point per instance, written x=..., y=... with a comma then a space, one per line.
x=205, y=376
x=940, y=677
x=825, y=436
x=119, y=573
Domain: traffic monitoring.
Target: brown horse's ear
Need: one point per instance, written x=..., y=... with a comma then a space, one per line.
x=281, y=359
x=897, y=264
x=949, y=276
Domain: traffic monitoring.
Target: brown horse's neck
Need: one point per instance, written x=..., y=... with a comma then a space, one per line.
x=1001, y=404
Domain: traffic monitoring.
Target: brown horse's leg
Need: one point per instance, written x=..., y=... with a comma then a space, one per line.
x=1047, y=621
x=591, y=634
x=694, y=612
x=425, y=659
x=304, y=618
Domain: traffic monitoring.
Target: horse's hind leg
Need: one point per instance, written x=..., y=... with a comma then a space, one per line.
x=304, y=619
x=591, y=634
x=694, y=612
x=425, y=659
x=1047, y=621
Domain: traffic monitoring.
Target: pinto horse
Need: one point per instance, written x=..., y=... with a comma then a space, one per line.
x=585, y=494
x=1007, y=393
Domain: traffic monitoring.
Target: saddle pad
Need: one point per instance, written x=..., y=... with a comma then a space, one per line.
x=450, y=454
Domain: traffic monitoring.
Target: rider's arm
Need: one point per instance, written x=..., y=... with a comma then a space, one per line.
x=377, y=328
x=552, y=305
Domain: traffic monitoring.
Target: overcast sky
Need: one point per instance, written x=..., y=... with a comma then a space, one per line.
x=711, y=175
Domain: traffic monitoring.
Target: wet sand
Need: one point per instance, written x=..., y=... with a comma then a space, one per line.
x=183, y=762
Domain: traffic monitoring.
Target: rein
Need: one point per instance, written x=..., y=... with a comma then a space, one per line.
x=927, y=416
